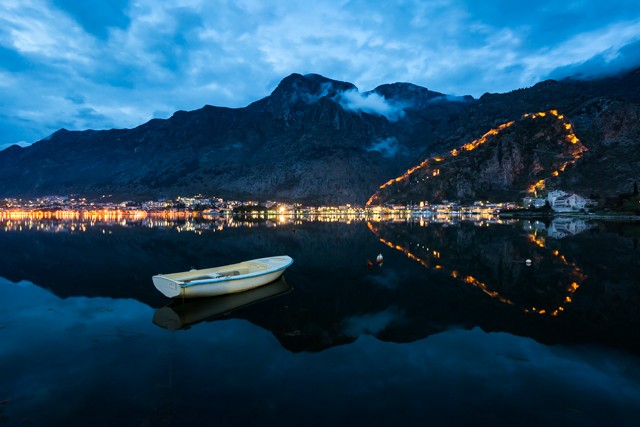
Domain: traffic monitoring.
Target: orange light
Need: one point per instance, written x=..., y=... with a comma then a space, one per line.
x=571, y=137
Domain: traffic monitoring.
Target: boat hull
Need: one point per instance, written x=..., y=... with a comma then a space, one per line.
x=178, y=285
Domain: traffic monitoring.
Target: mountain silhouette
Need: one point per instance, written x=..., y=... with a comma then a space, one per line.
x=322, y=141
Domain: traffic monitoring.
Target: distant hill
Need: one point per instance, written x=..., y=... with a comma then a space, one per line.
x=317, y=140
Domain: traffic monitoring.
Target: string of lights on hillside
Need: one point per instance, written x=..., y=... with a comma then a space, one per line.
x=570, y=137
x=537, y=240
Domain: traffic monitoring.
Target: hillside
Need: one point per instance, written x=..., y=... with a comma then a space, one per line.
x=516, y=156
x=601, y=114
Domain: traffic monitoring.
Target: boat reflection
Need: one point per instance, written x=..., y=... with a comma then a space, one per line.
x=182, y=314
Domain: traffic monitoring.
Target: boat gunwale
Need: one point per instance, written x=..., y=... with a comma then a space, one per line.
x=215, y=280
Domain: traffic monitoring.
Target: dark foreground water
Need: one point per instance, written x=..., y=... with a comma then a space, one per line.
x=453, y=329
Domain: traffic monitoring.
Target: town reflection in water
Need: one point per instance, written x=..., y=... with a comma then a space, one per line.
x=181, y=221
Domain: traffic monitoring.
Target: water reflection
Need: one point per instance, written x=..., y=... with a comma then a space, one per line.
x=197, y=222
x=513, y=269
x=62, y=354
x=579, y=288
x=181, y=314
x=83, y=221
x=563, y=227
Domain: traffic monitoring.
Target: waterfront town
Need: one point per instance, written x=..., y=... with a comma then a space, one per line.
x=557, y=200
x=202, y=214
x=218, y=206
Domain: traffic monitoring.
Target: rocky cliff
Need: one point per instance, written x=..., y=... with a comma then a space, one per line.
x=516, y=156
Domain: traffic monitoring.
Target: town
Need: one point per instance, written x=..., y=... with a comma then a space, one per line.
x=70, y=205
x=557, y=201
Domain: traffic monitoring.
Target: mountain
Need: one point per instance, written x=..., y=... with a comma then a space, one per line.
x=309, y=141
x=317, y=140
x=518, y=154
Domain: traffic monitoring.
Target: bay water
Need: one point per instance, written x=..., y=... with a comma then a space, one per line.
x=479, y=321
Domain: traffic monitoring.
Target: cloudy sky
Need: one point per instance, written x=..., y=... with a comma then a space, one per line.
x=118, y=63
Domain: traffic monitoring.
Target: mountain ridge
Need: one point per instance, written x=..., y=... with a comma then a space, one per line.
x=320, y=141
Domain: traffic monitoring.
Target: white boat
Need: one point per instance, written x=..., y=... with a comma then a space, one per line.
x=182, y=314
x=222, y=280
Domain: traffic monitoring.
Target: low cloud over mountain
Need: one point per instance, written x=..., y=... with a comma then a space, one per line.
x=371, y=103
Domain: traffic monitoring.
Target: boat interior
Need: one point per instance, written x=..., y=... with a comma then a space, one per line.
x=217, y=275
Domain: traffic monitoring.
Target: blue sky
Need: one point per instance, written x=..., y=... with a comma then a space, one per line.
x=118, y=63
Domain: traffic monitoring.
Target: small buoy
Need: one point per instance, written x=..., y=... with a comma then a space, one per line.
x=369, y=263
x=527, y=261
x=379, y=259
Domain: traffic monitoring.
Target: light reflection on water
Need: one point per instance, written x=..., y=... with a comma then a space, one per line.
x=81, y=221
x=413, y=247
x=399, y=343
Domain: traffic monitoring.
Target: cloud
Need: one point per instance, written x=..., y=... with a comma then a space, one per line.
x=311, y=98
x=587, y=51
x=371, y=323
x=389, y=279
x=606, y=62
x=448, y=98
x=96, y=18
x=18, y=143
x=34, y=30
x=371, y=103
x=388, y=147
x=128, y=59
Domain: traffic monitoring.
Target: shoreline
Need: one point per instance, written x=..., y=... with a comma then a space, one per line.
x=552, y=215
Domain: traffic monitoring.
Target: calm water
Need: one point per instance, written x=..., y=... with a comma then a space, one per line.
x=453, y=329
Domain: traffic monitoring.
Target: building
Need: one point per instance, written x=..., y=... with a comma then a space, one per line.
x=562, y=227
x=562, y=201
x=533, y=202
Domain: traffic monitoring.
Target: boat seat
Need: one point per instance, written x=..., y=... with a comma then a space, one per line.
x=229, y=273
